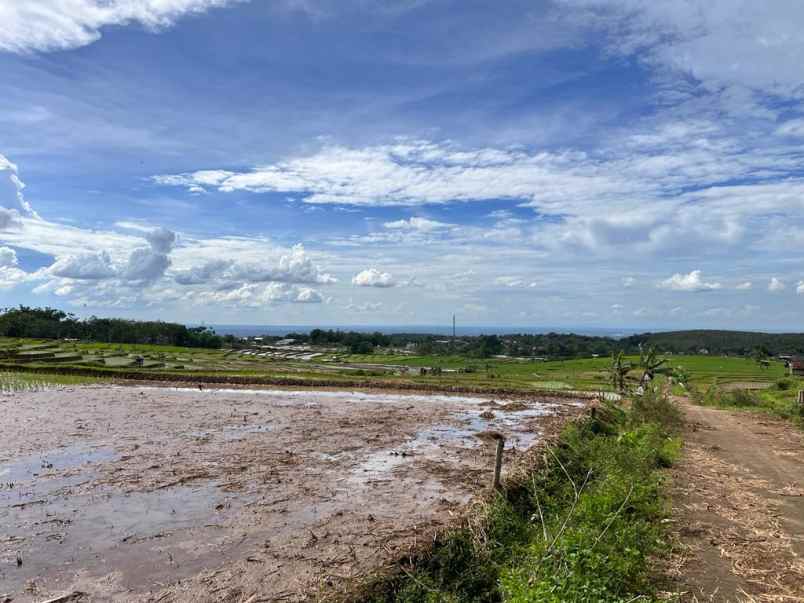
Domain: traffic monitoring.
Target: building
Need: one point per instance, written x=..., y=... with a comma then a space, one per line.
x=797, y=367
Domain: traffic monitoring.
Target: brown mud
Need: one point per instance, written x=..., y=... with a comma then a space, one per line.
x=169, y=494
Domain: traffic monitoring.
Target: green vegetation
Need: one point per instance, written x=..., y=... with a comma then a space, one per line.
x=49, y=323
x=330, y=364
x=20, y=382
x=780, y=399
x=581, y=527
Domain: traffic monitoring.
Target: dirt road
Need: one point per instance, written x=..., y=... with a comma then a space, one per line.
x=739, y=508
x=161, y=494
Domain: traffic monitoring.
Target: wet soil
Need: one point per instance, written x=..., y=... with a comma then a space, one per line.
x=739, y=508
x=167, y=494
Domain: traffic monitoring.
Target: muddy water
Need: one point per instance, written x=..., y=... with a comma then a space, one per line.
x=133, y=493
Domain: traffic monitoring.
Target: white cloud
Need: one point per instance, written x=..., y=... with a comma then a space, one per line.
x=417, y=224
x=11, y=187
x=688, y=282
x=88, y=266
x=258, y=295
x=202, y=273
x=628, y=281
x=161, y=239
x=145, y=264
x=775, y=285
x=10, y=274
x=9, y=218
x=47, y=25
x=744, y=286
x=365, y=307
x=515, y=282
x=8, y=257
x=793, y=128
x=293, y=267
x=373, y=278
x=800, y=288
x=724, y=44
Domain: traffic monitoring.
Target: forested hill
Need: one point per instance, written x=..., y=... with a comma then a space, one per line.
x=719, y=342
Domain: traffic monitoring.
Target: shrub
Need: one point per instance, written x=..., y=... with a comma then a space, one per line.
x=784, y=384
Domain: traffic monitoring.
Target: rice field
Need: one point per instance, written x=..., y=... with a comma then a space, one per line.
x=327, y=364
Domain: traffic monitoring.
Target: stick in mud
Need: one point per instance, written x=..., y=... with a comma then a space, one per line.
x=498, y=457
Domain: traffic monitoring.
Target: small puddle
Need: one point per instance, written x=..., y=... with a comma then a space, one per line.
x=432, y=442
x=52, y=463
x=111, y=529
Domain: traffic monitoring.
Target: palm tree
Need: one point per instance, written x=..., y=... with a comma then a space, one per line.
x=618, y=371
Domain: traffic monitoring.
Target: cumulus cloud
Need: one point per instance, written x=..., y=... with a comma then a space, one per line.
x=150, y=263
x=10, y=274
x=161, y=239
x=256, y=295
x=202, y=273
x=293, y=267
x=744, y=286
x=688, y=282
x=373, y=278
x=88, y=266
x=47, y=25
x=775, y=285
x=145, y=264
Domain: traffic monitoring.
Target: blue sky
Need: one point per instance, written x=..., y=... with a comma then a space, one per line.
x=576, y=162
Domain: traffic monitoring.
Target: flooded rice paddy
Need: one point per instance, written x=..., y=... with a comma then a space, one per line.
x=168, y=494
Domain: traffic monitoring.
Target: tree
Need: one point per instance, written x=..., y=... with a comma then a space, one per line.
x=489, y=345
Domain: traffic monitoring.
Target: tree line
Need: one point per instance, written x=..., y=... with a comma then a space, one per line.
x=50, y=323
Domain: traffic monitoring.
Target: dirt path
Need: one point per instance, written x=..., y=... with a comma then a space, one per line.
x=739, y=508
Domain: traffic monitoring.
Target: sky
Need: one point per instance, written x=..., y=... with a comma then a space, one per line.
x=618, y=163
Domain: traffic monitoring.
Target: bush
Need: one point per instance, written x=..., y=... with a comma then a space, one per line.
x=784, y=385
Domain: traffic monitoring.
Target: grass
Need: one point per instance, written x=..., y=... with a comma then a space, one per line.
x=11, y=382
x=581, y=527
x=780, y=399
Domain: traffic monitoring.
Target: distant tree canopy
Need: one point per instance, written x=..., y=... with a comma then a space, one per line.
x=50, y=323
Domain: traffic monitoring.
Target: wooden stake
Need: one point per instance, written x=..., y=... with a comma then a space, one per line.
x=498, y=462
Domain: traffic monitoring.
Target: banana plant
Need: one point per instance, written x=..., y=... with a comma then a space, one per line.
x=651, y=364
x=618, y=371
